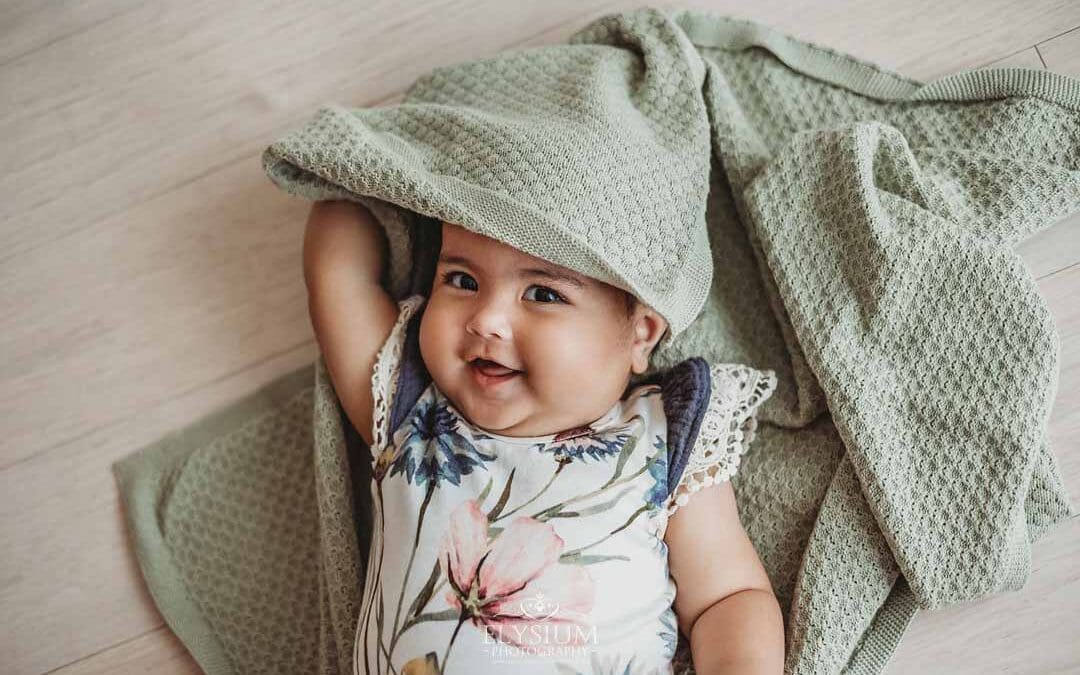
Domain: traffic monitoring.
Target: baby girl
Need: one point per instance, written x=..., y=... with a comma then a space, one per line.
x=533, y=511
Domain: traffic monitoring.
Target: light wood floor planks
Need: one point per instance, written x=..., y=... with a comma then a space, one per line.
x=151, y=273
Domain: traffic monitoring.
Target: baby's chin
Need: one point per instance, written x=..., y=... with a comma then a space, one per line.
x=494, y=416
x=502, y=415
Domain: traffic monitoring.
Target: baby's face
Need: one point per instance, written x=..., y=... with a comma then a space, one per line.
x=573, y=342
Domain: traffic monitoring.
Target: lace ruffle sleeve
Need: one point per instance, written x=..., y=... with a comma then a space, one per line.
x=727, y=428
x=386, y=372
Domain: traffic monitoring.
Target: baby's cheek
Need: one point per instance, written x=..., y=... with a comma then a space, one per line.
x=578, y=377
x=435, y=348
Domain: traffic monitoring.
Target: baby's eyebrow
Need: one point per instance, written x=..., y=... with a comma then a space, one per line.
x=550, y=273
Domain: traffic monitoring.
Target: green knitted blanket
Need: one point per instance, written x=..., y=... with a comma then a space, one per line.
x=861, y=228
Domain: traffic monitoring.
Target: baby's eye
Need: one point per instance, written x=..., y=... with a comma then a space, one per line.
x=545, y=289
x=447, y=276
x=548, y=295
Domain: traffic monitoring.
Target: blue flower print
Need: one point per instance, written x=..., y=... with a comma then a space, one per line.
x=658, y=470
x=587, y=444
x=594, y=447
x=430, y=449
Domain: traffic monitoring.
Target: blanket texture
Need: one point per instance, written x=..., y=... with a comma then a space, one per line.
x=861, y=229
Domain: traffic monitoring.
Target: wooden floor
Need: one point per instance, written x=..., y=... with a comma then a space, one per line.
x=151, y=273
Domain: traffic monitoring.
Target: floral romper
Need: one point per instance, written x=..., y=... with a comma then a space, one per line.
x=538, y=555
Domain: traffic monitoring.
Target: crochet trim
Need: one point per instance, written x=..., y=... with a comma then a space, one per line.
x=385, y=374
x=728, y=426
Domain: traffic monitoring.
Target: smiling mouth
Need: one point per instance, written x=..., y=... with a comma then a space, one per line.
x=489, y=373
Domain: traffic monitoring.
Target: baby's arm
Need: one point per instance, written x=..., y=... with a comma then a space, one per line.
x=351, y=313
x=724, y=600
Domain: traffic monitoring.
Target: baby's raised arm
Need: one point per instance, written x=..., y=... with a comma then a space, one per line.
x=351, y=313
x=724, y=600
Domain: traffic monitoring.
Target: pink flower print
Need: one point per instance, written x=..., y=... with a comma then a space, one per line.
x=514, y=587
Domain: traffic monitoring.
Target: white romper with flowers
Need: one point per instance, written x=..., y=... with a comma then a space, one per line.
x=537, y=555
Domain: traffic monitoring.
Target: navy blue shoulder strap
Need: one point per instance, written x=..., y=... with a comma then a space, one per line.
x=685, y=390
x=425, y=240
x=413, y=377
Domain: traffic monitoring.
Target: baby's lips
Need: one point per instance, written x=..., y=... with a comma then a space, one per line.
x=476, y=359
x=491, y=367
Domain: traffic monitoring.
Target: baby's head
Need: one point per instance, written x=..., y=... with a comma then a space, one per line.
x=575, y=339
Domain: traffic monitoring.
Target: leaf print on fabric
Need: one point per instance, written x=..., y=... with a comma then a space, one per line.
x=659, y=546
x=430, y=448
x=498, y=585
x=659, y=472
x=560, y=510
x=669, y=634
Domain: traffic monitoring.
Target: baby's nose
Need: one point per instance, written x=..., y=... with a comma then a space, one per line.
x=490, y=321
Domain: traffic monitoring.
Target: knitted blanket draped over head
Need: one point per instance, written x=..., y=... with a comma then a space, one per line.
x=860, y=233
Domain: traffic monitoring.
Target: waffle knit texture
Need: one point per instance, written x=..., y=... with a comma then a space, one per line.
x=858, y=231
x=594, y=157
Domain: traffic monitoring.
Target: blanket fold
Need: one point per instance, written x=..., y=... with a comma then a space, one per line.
x=858, y=227
x=902, y=311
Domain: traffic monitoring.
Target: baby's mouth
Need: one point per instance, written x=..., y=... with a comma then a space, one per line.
x=492, y=369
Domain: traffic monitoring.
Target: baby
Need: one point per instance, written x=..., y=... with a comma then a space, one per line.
x=529, y=511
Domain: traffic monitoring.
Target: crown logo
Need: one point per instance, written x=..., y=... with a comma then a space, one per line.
x=539, y=607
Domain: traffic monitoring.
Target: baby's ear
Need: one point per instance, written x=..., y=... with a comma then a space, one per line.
x=648, y=328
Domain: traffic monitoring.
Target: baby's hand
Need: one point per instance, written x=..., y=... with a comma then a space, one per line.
x=351, y=313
